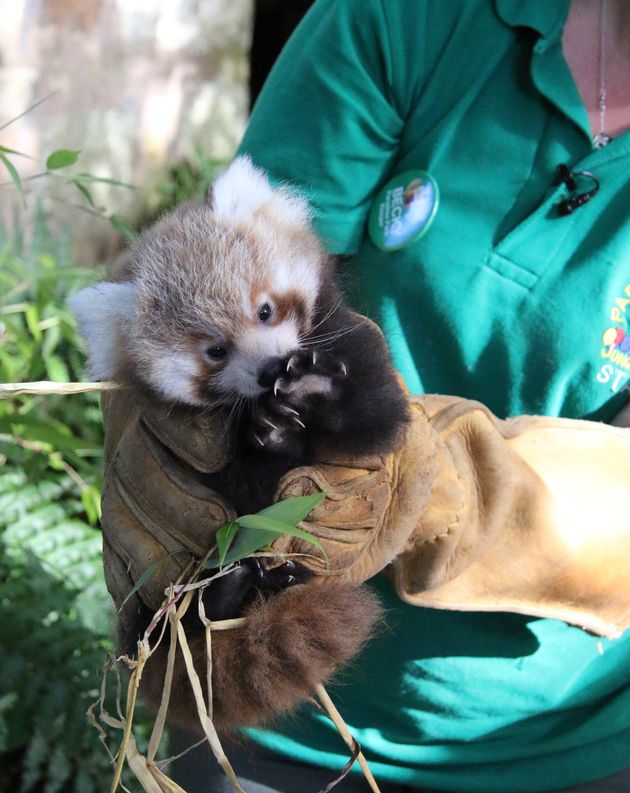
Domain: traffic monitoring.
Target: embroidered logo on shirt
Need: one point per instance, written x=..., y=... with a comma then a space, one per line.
x=616, y=347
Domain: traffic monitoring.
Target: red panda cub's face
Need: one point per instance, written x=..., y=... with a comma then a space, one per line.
x=228, y=332
x=213, y=298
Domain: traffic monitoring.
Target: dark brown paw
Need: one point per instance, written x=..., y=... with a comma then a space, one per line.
x=310, y=373
x=229, y=595
x=276, y=426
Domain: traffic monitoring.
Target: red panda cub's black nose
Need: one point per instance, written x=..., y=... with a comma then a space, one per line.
x=270, y=371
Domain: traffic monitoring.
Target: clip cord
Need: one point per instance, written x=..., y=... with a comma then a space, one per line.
x=565, y=176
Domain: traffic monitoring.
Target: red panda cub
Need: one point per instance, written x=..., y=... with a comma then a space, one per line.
x=231, y=302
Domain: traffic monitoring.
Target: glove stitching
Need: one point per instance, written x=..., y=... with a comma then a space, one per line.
x=167, y=536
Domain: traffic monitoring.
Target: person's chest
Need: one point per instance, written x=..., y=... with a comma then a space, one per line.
x=505, y=298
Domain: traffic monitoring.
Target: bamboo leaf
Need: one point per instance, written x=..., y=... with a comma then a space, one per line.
x=52, y=337
x=88, y=177
x=84, y=192
x=247, y=542
x=91, y=500
x=261, y=521
x=28, y=110
x=62, y=158
x=123, y=228
x=149, y=573
x=225, y=536
x=254, y=532
x=56, y=369
x=31, y=315
x=15, y=176
x=293, y=510
x=7, y=150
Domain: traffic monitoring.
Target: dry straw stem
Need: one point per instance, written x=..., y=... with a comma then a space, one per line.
x=128, y=742
x=146, y=770
x=42, y=387
x=160, y=719
x=152, y=779
x=343, y=730
x=206, y=722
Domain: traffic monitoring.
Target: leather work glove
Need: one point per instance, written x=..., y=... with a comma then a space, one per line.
x=527, y=515
x=159, y=511
x=472, y=513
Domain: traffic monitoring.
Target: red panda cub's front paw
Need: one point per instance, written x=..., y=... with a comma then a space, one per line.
x=276, y=427
x=311, y=376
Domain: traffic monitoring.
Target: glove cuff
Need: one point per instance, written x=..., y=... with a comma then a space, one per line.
x=527, y=515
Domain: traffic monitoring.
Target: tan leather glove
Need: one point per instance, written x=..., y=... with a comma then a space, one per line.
x=528, y=515
x=158, y=507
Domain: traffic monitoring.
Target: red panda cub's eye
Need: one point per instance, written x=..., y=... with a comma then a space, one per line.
x=264, y=312
x=216, y=353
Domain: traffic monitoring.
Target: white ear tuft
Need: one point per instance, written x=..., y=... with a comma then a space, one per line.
x=101, y=311
x=243, y=189
x=240, y=191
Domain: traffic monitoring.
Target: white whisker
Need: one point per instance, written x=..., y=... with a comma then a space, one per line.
x=332, y=335
x=328, y=314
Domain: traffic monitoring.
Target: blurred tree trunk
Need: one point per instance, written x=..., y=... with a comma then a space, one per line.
x=274, y=21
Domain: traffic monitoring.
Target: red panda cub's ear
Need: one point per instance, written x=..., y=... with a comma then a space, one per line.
x=101, y=312
x=243, y=189
x=240, y=191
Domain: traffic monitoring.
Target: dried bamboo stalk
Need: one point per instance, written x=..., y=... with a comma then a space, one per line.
x=42, y=387
x=343, y=730
x=132, y=693
x=207, y=725
x=160, y=719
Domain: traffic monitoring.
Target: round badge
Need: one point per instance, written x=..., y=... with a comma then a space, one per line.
x=403, y=210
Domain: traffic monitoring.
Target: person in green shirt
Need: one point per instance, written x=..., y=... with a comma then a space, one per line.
x=473, y=158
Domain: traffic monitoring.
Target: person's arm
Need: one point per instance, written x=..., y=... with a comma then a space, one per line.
x=330, y=117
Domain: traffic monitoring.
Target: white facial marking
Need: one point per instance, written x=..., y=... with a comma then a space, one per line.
x=300, y=274
x=251, y=350
x=173, y=376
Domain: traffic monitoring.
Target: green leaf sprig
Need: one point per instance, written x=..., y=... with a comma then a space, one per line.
x=254, y=532
x=57, y=161
x=250, y=533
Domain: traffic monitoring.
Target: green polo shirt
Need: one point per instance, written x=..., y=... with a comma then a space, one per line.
x=504, y=300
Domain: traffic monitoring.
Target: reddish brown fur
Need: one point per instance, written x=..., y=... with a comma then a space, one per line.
x=287, y=304
x=292, y=642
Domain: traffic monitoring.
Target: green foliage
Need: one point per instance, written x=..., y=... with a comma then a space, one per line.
x=61, y=159
x=58, y=161
x=185, y=181
x=39, y=341
x=54, y=609
x=251, y=533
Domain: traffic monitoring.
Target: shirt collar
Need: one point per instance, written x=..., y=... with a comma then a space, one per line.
x=549, y=69
x=546, y=17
